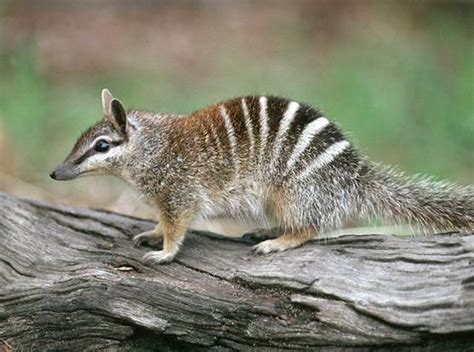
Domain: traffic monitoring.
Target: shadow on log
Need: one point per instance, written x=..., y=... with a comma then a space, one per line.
x=70, y=279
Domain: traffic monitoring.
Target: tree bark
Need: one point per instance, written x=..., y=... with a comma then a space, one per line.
x=70, y=279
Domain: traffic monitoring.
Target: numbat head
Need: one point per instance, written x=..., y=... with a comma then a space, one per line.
x=102, y=148
x=277, y=162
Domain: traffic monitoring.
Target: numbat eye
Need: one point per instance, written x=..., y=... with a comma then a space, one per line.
x=102, y=146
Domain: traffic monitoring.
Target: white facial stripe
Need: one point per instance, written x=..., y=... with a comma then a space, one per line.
x=230, y=135
x=285, y=123
x=98, y=160
x=324, y=158
x=248, y=125
x=263, y=125
x=305, y=139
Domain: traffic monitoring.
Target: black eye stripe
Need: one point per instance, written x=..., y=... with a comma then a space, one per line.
x=85, y=156
x=91, y=152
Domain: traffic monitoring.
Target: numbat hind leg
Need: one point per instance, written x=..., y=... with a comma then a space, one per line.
x=287, y=241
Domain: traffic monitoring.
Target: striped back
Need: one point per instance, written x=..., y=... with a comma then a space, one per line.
x=273, y=136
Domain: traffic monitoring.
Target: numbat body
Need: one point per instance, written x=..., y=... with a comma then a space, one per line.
x=275, y=161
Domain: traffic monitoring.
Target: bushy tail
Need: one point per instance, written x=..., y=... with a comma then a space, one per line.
x=416, y=200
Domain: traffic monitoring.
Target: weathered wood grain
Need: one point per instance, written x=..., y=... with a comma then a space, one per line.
x=70, y=279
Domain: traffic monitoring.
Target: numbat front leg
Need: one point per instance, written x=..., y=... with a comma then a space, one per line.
x=286, y=241
x=173, y=236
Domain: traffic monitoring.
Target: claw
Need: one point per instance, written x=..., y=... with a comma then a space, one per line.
x=138, y=241
x=269, y=246
x=149, y=237
x=158, y=257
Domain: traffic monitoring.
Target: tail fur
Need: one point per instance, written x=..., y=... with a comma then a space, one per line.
x=416, y=200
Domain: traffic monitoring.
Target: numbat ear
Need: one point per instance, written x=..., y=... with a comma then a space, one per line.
x=118, y=116
x=107, y=98
x=114, y=111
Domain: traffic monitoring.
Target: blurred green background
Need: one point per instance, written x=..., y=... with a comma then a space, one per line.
x=398, y=76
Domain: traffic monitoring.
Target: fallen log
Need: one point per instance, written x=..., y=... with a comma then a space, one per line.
x=70, y=279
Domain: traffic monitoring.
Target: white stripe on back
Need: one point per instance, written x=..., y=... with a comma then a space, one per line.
x=218, y=141
x=248, y=125
x=263, y=126
x=305, y=139
x=285, y=123
x=324, y=158
x=230, y=135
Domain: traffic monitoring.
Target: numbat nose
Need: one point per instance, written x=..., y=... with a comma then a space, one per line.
x=52, y=175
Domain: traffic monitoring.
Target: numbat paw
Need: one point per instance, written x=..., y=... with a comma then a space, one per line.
x=158, y=257
x=287, y=241
x=270, y=246
x=149, y=237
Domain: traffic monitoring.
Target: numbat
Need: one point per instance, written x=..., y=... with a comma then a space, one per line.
x=269, y=159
